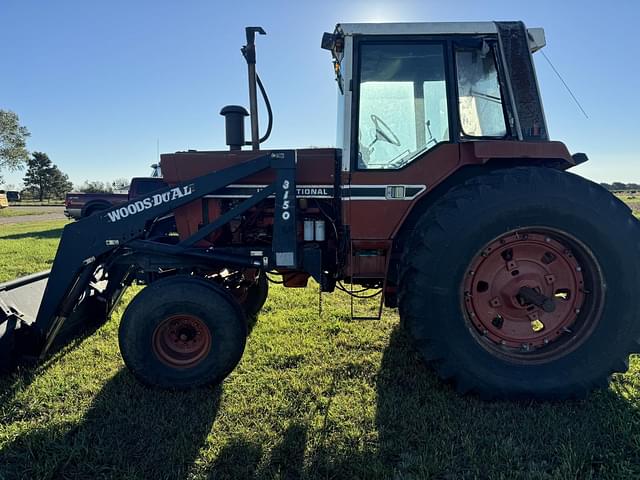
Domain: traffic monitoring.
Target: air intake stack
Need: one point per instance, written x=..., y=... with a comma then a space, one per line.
x=234, y=125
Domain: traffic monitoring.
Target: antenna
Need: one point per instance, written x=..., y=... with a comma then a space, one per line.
x=565, y=84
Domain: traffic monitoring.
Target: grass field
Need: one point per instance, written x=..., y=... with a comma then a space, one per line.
x=633, y=200
x=314, y=397
x=18, y=212
x=48, y=203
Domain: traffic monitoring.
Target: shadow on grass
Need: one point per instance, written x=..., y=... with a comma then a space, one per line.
x=251, y=322
x=129, y=431
x=54, y=233
x=424, y=430
x=243, y=459
x=82, y=324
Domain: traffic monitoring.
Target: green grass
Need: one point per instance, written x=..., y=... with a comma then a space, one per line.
x=28, y=247
x=20, y=211
x=633, y=200
x=49, y=203
x=314, y=397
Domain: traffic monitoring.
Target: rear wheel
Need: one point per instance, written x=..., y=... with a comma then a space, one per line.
x=521, y=284
x=182, y=332
x=93, y=209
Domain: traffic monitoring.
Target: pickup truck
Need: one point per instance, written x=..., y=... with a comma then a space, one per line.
x=80, y=205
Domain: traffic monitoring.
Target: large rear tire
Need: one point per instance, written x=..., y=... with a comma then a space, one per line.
x=182, y=332
x=522, y=283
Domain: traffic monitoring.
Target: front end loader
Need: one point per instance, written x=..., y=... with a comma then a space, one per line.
x=446, y=198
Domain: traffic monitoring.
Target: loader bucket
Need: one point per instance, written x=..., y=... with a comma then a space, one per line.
x=24, y=295
x=20, y=302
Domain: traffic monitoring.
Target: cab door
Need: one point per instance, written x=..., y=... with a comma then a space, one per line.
x=400, y=128
x=401, y=135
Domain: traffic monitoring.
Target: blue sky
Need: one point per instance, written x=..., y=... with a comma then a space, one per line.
x=98, y=83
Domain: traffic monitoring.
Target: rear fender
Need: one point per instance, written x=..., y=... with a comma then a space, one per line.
x=404, y=231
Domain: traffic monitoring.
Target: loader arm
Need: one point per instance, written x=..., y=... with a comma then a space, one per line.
x=84, y=245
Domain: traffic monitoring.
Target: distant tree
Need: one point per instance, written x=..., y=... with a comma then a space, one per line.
x=59, y=183
x=633, y=186
x=618, y=186
x=121, y=184
x=13, y=142
x=95, y=187
x=30, y=193
x=44, y=179
x=36, y=180
x=607, y=186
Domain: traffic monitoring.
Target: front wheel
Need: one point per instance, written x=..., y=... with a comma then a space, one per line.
x=521, y=284
x=182, y=332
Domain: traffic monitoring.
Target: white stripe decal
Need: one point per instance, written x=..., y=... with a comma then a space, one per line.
x=325, y=191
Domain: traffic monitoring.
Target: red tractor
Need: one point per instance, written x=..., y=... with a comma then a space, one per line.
x=513, y=277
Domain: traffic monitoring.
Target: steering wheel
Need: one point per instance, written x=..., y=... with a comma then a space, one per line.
x=385, y=133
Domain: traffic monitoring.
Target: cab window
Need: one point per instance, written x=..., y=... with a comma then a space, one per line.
x=402, y=104
x=480, y=99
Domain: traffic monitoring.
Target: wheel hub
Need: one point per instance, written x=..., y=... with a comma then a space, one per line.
x=524, y=291
x=181, y=341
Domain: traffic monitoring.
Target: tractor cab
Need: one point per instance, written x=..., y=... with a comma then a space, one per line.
x=407, y=88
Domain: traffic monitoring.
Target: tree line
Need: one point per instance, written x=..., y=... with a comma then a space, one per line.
x=43, y=179
x=619, y=187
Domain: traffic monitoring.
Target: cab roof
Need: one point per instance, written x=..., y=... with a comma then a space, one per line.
x=424, y=28
x=536, y=35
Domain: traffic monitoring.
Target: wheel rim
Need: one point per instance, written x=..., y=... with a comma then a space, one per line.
x=533, y=295
x=181, y=341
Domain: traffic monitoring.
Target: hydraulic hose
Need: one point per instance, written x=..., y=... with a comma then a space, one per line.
x=269, y=111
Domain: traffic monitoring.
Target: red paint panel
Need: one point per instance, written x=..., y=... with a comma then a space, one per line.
x=379, y=219
x=315, y=165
